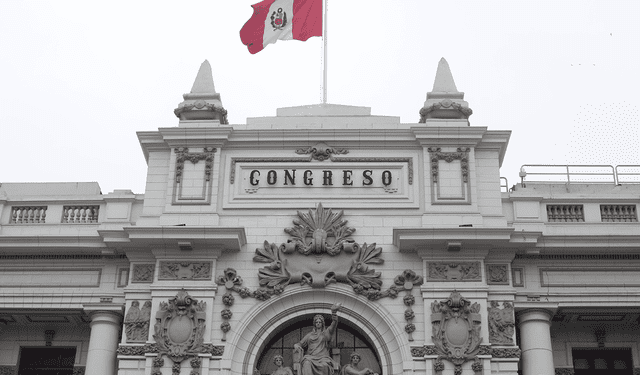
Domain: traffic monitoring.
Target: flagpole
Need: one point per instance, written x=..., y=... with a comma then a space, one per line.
x=324, y=61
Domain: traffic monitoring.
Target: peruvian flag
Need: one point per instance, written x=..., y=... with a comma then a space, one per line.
x=274, y=20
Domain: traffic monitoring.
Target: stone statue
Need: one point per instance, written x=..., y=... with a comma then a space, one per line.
x=278, y=361
x=131, y=322
x=316, y=360
x=354, y=369
x=136, y=321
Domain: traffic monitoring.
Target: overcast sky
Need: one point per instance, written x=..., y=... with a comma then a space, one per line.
x=79, y=78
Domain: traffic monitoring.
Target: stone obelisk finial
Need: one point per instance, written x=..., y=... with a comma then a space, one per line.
x=444, y=101
x=203, y=102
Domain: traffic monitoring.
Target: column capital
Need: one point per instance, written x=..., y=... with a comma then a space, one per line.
x=535, y=314
x=104, y=313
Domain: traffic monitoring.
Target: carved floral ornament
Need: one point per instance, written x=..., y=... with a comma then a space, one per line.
x=319, y=253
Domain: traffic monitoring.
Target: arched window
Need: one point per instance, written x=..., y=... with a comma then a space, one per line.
x=348, y=338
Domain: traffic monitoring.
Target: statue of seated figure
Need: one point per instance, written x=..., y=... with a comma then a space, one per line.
x=316, y=360
x=354, y=369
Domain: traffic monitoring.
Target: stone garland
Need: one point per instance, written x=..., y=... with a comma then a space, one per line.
x=407, y=280
x=233, y=283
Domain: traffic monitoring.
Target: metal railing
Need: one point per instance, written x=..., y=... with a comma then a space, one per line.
x=600, y=174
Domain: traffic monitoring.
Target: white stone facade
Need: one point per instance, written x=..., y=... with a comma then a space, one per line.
x=227, y=256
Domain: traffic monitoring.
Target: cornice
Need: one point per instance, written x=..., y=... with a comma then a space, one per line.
x=449, y=136
x=411, y=239
x=225, y=238
x=73, y=243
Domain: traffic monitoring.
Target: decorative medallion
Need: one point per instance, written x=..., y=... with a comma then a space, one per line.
x=321, y=151
x=278, y=19
x=501, y=323
x=456, y=331
x=454, y=271
x=179, y=327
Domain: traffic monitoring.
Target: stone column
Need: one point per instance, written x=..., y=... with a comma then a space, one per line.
x=535, y=342
x=103, y=344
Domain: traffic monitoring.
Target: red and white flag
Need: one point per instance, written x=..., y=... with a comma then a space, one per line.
x=274, y=20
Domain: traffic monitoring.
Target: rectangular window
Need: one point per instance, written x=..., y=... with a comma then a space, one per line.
x=602, y=361
x=46, y=360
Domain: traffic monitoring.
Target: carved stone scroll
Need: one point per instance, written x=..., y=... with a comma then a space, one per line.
x=456, y=332
x=321, y=151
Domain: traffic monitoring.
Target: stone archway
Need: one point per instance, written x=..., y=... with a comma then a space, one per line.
x=266, y=317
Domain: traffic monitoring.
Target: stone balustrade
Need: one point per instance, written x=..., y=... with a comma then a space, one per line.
x=80, y=214
x=28, y=214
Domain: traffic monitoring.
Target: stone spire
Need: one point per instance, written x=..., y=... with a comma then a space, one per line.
x=445, y=101
x=203, y=102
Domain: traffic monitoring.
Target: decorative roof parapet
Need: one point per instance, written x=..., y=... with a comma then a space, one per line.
x=203, y=102
x=445, y=101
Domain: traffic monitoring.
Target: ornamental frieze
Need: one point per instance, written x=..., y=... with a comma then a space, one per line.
x=456, y=332
x=454, y=271
x=185, y=270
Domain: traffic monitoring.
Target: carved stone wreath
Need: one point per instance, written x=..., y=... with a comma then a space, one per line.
x=456, y=332
x=179, y=328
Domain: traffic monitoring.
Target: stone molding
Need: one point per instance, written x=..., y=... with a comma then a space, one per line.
x=183, y=155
